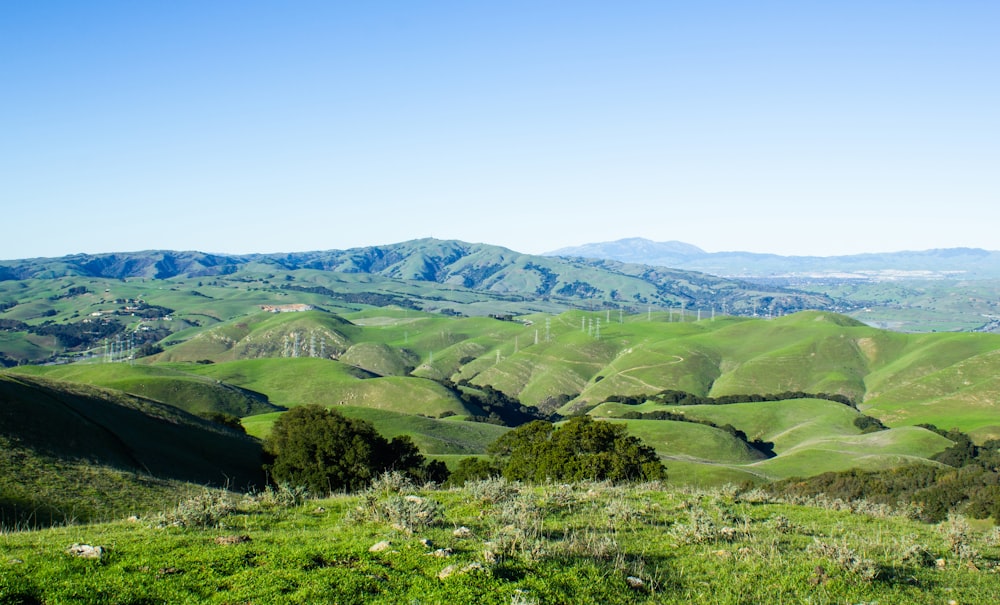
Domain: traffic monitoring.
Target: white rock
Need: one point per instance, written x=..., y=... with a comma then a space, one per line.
x=634, y=582
x=85, y=551
x=380, y=546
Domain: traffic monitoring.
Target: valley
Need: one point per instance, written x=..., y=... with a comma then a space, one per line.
x=133, y=385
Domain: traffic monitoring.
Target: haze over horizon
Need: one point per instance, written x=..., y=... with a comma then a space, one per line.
x=773, y=127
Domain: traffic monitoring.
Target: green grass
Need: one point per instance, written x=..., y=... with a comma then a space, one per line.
x=691, y=441
x=578, y=543
x=171, y=385
x=39, y=490
x=963, y=394
x=810, y=436
x=292, y=382
x=72, y=453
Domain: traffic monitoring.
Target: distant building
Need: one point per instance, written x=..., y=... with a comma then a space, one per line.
x=295, y=308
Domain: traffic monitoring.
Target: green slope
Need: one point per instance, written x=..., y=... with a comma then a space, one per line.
x=72, y=451
x=965, y=394
x=293, y=382
x=171, y=385
x=691, y=441
x=267, y=335
x=810, y=436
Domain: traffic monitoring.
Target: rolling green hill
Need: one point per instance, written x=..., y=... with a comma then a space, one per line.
x=809, y=437
x=266, y=335
x=292, y=382
x=395, y=366
x=167, y=384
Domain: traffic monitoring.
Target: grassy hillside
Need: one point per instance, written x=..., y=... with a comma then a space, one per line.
x=390, y=360
x=809, y=437
x=499, y=544
x=292, y=382
x=171, y=385
x=266, y=335
x=77, y=452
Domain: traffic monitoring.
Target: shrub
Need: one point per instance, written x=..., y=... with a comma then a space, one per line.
x=323, y=451
x=203, y=511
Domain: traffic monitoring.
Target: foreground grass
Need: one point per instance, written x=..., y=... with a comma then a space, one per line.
x=493, y=542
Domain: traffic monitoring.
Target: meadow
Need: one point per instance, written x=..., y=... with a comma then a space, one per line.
x=505, y=543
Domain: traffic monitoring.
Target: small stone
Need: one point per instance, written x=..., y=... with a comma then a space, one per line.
x=380, y=546
x=230, y=540
x=414, y=499
x=442, y=553
x=426, y=543
x=133, y=519
x=940, y=563
x=634, y=582
x=462, y=532
x=319, y=510
x=454, y=569
x=15, y=561
x=86, y=551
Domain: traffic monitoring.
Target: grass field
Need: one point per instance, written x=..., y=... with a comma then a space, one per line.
x=499, y=544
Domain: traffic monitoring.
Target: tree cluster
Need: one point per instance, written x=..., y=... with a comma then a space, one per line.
x=581, y=449
x=672, y=397
x=498, y=407
x=322, y=450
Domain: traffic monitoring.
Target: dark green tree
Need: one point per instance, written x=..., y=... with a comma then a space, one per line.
x=473, y=469
x=323, y=451
x=580, y=449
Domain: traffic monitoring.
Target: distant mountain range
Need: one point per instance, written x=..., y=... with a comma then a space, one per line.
x=443, y=266
x=964, y=263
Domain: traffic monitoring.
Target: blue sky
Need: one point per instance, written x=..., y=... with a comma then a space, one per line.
x=812, y=128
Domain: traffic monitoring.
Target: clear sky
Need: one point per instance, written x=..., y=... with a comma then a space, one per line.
x=798, y=127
